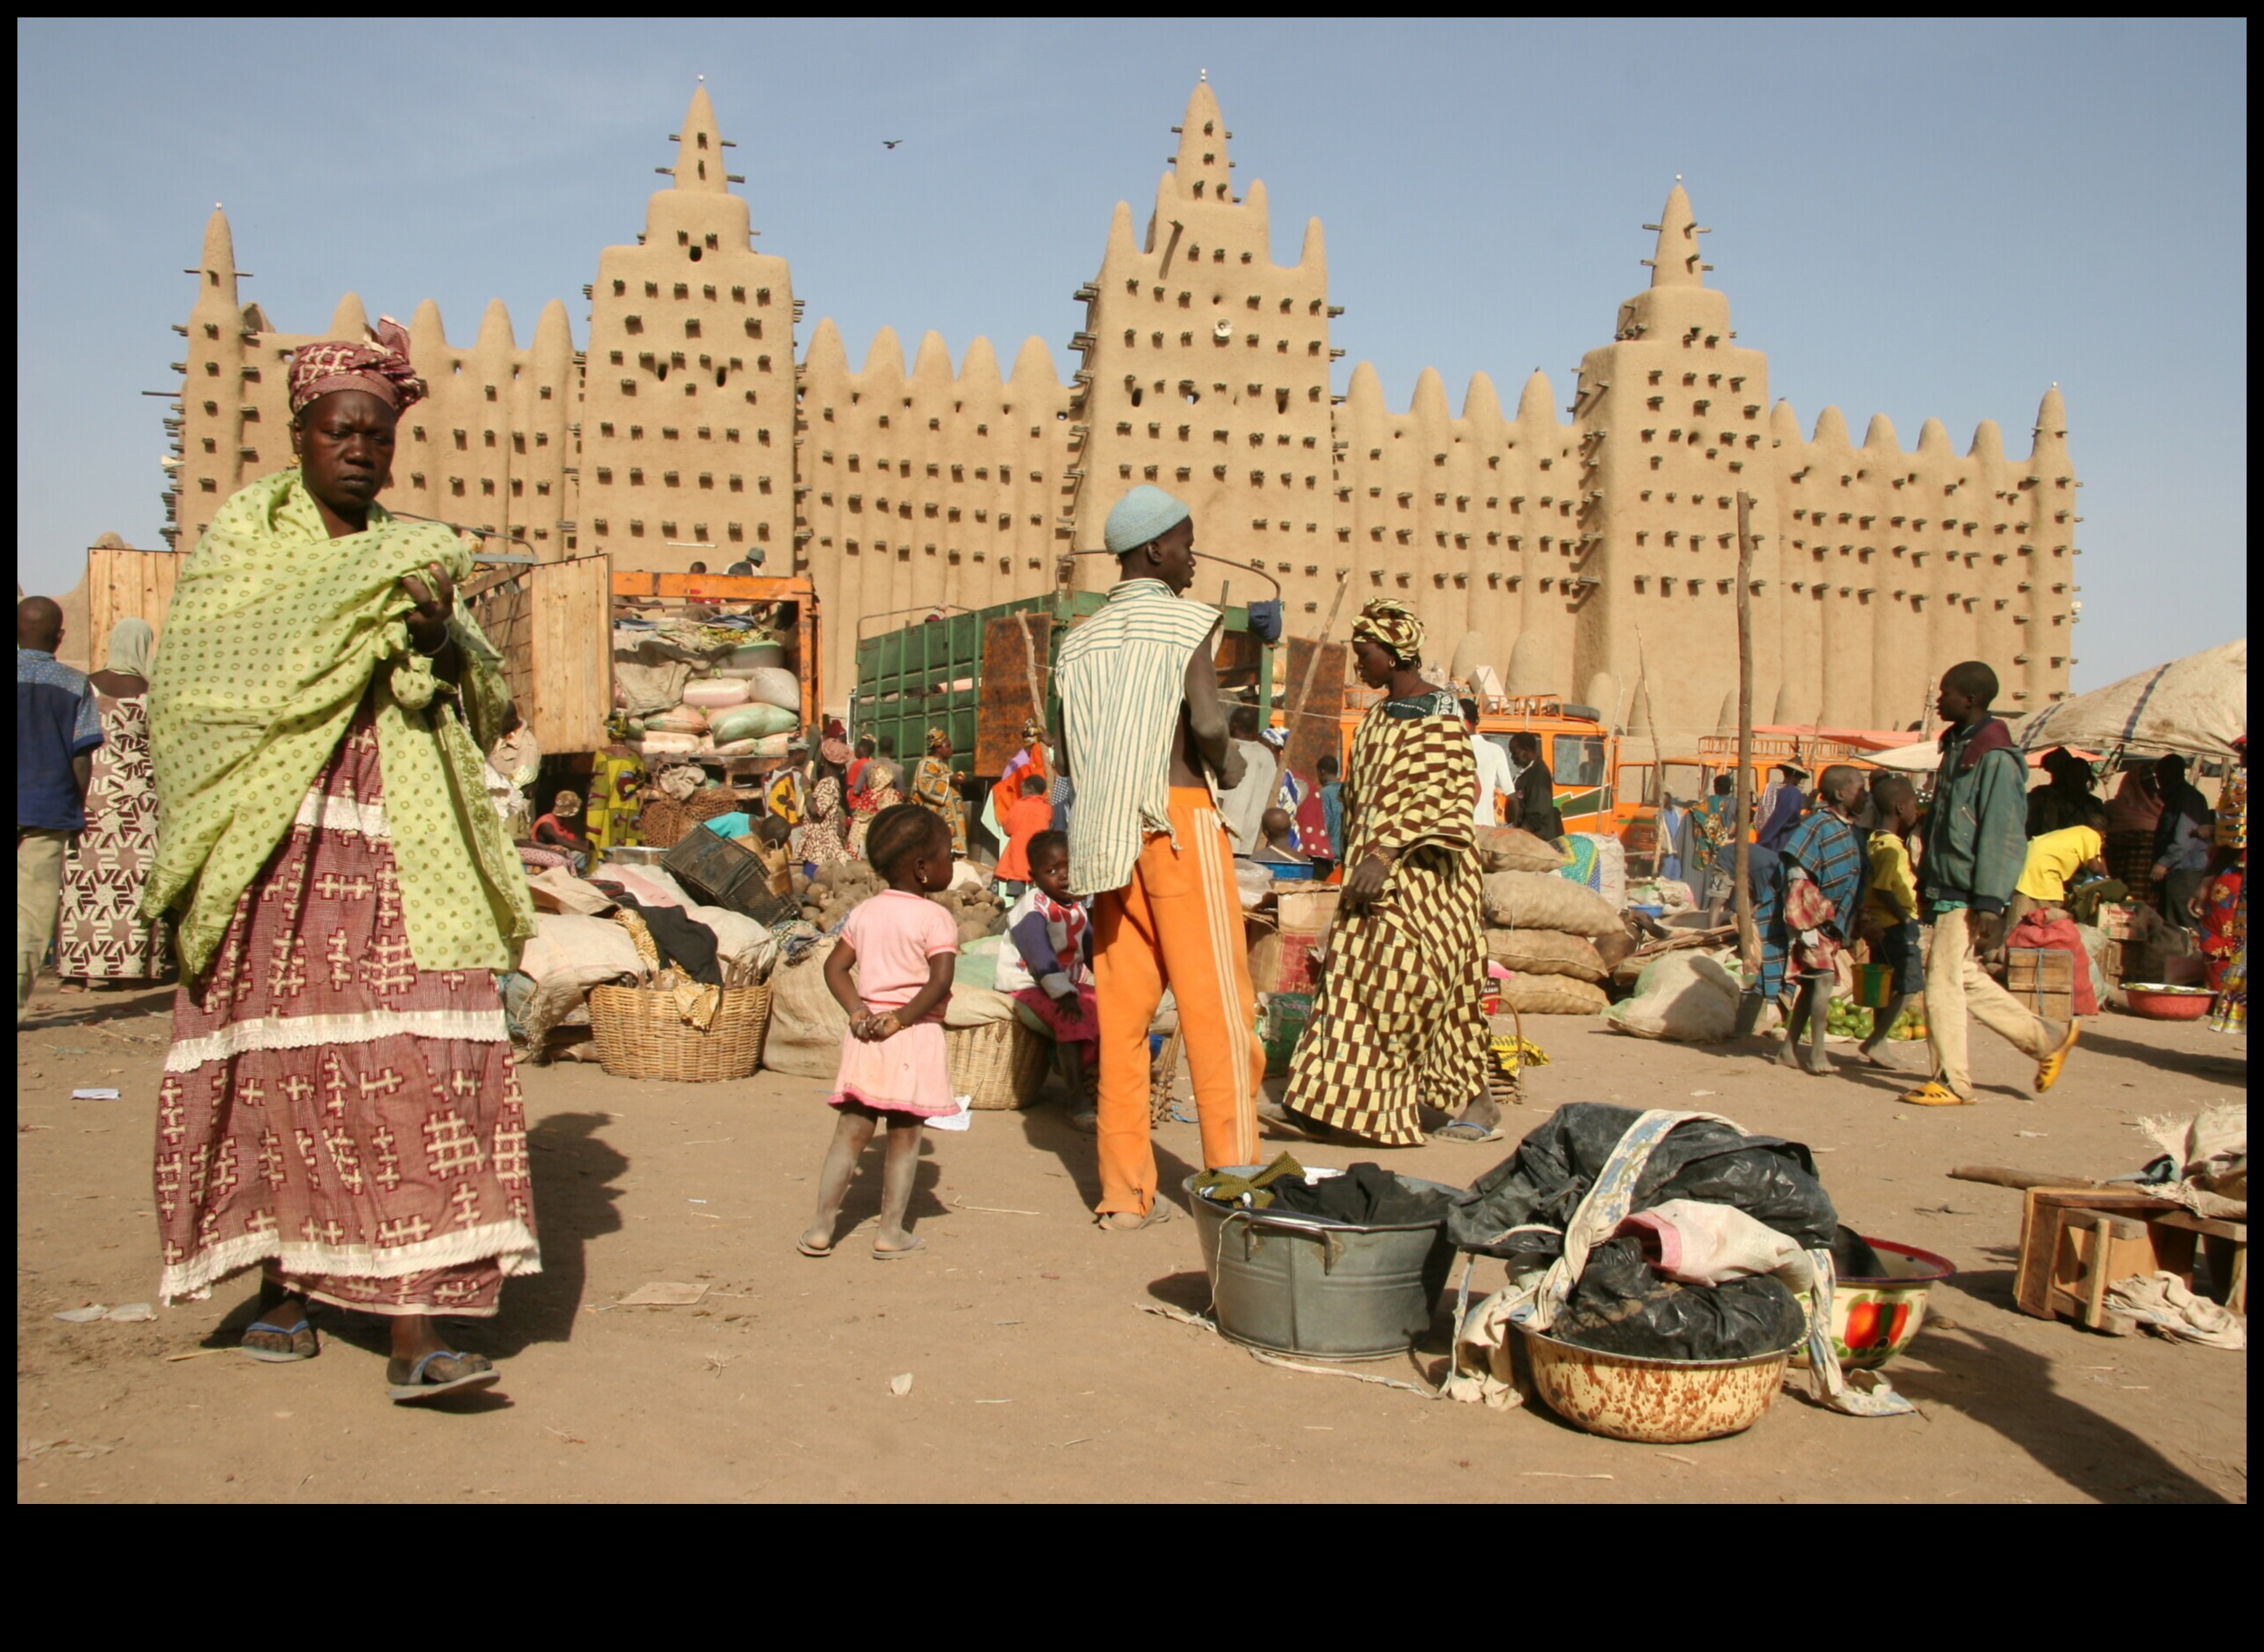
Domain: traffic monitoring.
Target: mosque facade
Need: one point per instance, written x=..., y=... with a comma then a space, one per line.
x=1589, y=551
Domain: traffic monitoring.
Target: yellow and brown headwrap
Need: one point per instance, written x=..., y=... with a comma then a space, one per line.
x=938, y=741
x=1391, y=625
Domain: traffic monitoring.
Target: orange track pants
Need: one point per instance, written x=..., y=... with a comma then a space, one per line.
x=1176, y=924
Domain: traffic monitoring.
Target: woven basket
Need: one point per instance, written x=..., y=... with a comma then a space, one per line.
x=640, y=1036
x=706, y=804
x=999, y=1065
x=661, y=822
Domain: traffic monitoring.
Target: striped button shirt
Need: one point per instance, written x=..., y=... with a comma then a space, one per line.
x=1122, y=676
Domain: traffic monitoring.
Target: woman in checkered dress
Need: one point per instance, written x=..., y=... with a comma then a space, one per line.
x=1398, y=1026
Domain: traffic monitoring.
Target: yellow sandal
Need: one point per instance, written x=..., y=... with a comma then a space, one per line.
x=1933, y=1092
x=2048, y=1070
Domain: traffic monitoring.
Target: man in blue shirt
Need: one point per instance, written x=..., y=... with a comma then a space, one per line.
x=57, y=728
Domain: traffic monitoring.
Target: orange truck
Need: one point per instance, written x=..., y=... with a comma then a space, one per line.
x=1582, y=754
x=1642, y=786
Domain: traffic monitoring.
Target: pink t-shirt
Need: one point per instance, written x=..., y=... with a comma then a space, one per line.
x=894, y=935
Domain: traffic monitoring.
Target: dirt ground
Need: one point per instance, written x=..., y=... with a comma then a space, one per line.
x=1035, y=1375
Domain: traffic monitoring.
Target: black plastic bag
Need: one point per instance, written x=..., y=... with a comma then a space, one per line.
x=1621, y=1307
x=1620, y=1304
x=1542, y=1182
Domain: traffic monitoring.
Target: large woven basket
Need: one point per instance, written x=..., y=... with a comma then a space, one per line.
x=997, y=1065
x=661, y=821
x=640, y=1036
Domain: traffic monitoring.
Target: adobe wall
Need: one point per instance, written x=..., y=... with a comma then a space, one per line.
x=1590, y=553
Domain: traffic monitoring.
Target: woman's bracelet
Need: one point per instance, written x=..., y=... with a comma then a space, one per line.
x=438, y=649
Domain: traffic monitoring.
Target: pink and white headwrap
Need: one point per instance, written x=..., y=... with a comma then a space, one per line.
x=380, y=366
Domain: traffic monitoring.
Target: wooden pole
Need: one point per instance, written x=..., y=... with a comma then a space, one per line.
x=1313, y=660
x=1749, y=945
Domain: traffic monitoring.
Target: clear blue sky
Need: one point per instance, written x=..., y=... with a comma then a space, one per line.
x=1922, y=220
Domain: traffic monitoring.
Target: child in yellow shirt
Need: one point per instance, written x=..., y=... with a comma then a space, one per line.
x=1891, y=921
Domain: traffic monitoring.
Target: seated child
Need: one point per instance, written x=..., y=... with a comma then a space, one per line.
x=902, y=949
x=1048, y=970
x=557, y=830
x=1279, y=846
x=769, y=841
x=1033, y=812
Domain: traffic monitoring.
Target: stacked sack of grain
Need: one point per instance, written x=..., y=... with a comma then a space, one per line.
x=1543, y=928
x=686, y=690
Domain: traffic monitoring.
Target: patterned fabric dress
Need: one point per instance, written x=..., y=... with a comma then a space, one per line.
x=933, y=790
x=822, y=831
x=1399, y=1020
x=103, y=937
x=329, y=1109
x=2224, y=928
x=879, y=792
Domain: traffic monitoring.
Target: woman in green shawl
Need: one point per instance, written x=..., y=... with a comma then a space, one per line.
x=339, y=1105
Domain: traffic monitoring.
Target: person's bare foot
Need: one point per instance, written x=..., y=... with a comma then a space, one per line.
x=816, y=1240
x=1875, y=1055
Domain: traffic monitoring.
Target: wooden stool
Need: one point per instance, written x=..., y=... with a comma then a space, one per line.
x=2075, y=1242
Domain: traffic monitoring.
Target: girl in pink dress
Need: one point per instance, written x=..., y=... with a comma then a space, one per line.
x=901, y=947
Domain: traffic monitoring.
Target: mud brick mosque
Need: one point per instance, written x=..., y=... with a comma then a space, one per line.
x=1589, y=550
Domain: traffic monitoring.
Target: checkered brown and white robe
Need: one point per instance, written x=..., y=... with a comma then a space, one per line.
x=1400, y=1016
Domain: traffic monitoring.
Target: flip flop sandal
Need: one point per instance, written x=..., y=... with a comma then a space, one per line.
x=2048, y=1070
x=271, y=1357
x=1159, y=1214
x=412, y=1389
x=1933, y=1094
x=1085, y=1123
x=808, y=1250
x=890, y=1256
x=1462, y=1129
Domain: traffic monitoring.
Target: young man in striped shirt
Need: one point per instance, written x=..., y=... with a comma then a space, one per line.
x=1143, y=740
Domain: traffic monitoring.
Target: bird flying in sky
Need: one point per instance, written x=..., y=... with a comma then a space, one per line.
x=890, y=143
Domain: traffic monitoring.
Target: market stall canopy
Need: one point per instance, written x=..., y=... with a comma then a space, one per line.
x=1925, y=756
x=2198, y=705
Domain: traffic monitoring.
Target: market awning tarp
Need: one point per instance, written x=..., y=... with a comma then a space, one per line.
x=2198, y=705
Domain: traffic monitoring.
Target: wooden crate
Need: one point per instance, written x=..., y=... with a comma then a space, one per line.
x=2044, y=979
x=2076, y=1242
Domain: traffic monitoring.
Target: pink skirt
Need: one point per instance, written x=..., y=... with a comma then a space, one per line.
x=907, y=1073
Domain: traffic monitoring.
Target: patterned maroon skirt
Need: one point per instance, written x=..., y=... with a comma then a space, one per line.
x=331, y=1110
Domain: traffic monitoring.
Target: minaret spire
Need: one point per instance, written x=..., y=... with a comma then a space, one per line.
x=700, y=148
x=218, y=266
x=1677, y=263
x=1202, y=164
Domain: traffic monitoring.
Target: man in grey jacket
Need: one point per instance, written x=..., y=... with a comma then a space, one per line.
x=1975, y=843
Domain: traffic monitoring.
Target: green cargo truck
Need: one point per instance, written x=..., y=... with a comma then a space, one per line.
x=980, y=674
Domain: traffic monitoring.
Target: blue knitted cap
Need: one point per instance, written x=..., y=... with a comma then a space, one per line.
x=1144, y=514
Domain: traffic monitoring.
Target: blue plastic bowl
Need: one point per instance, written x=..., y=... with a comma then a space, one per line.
x=1291, y=874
